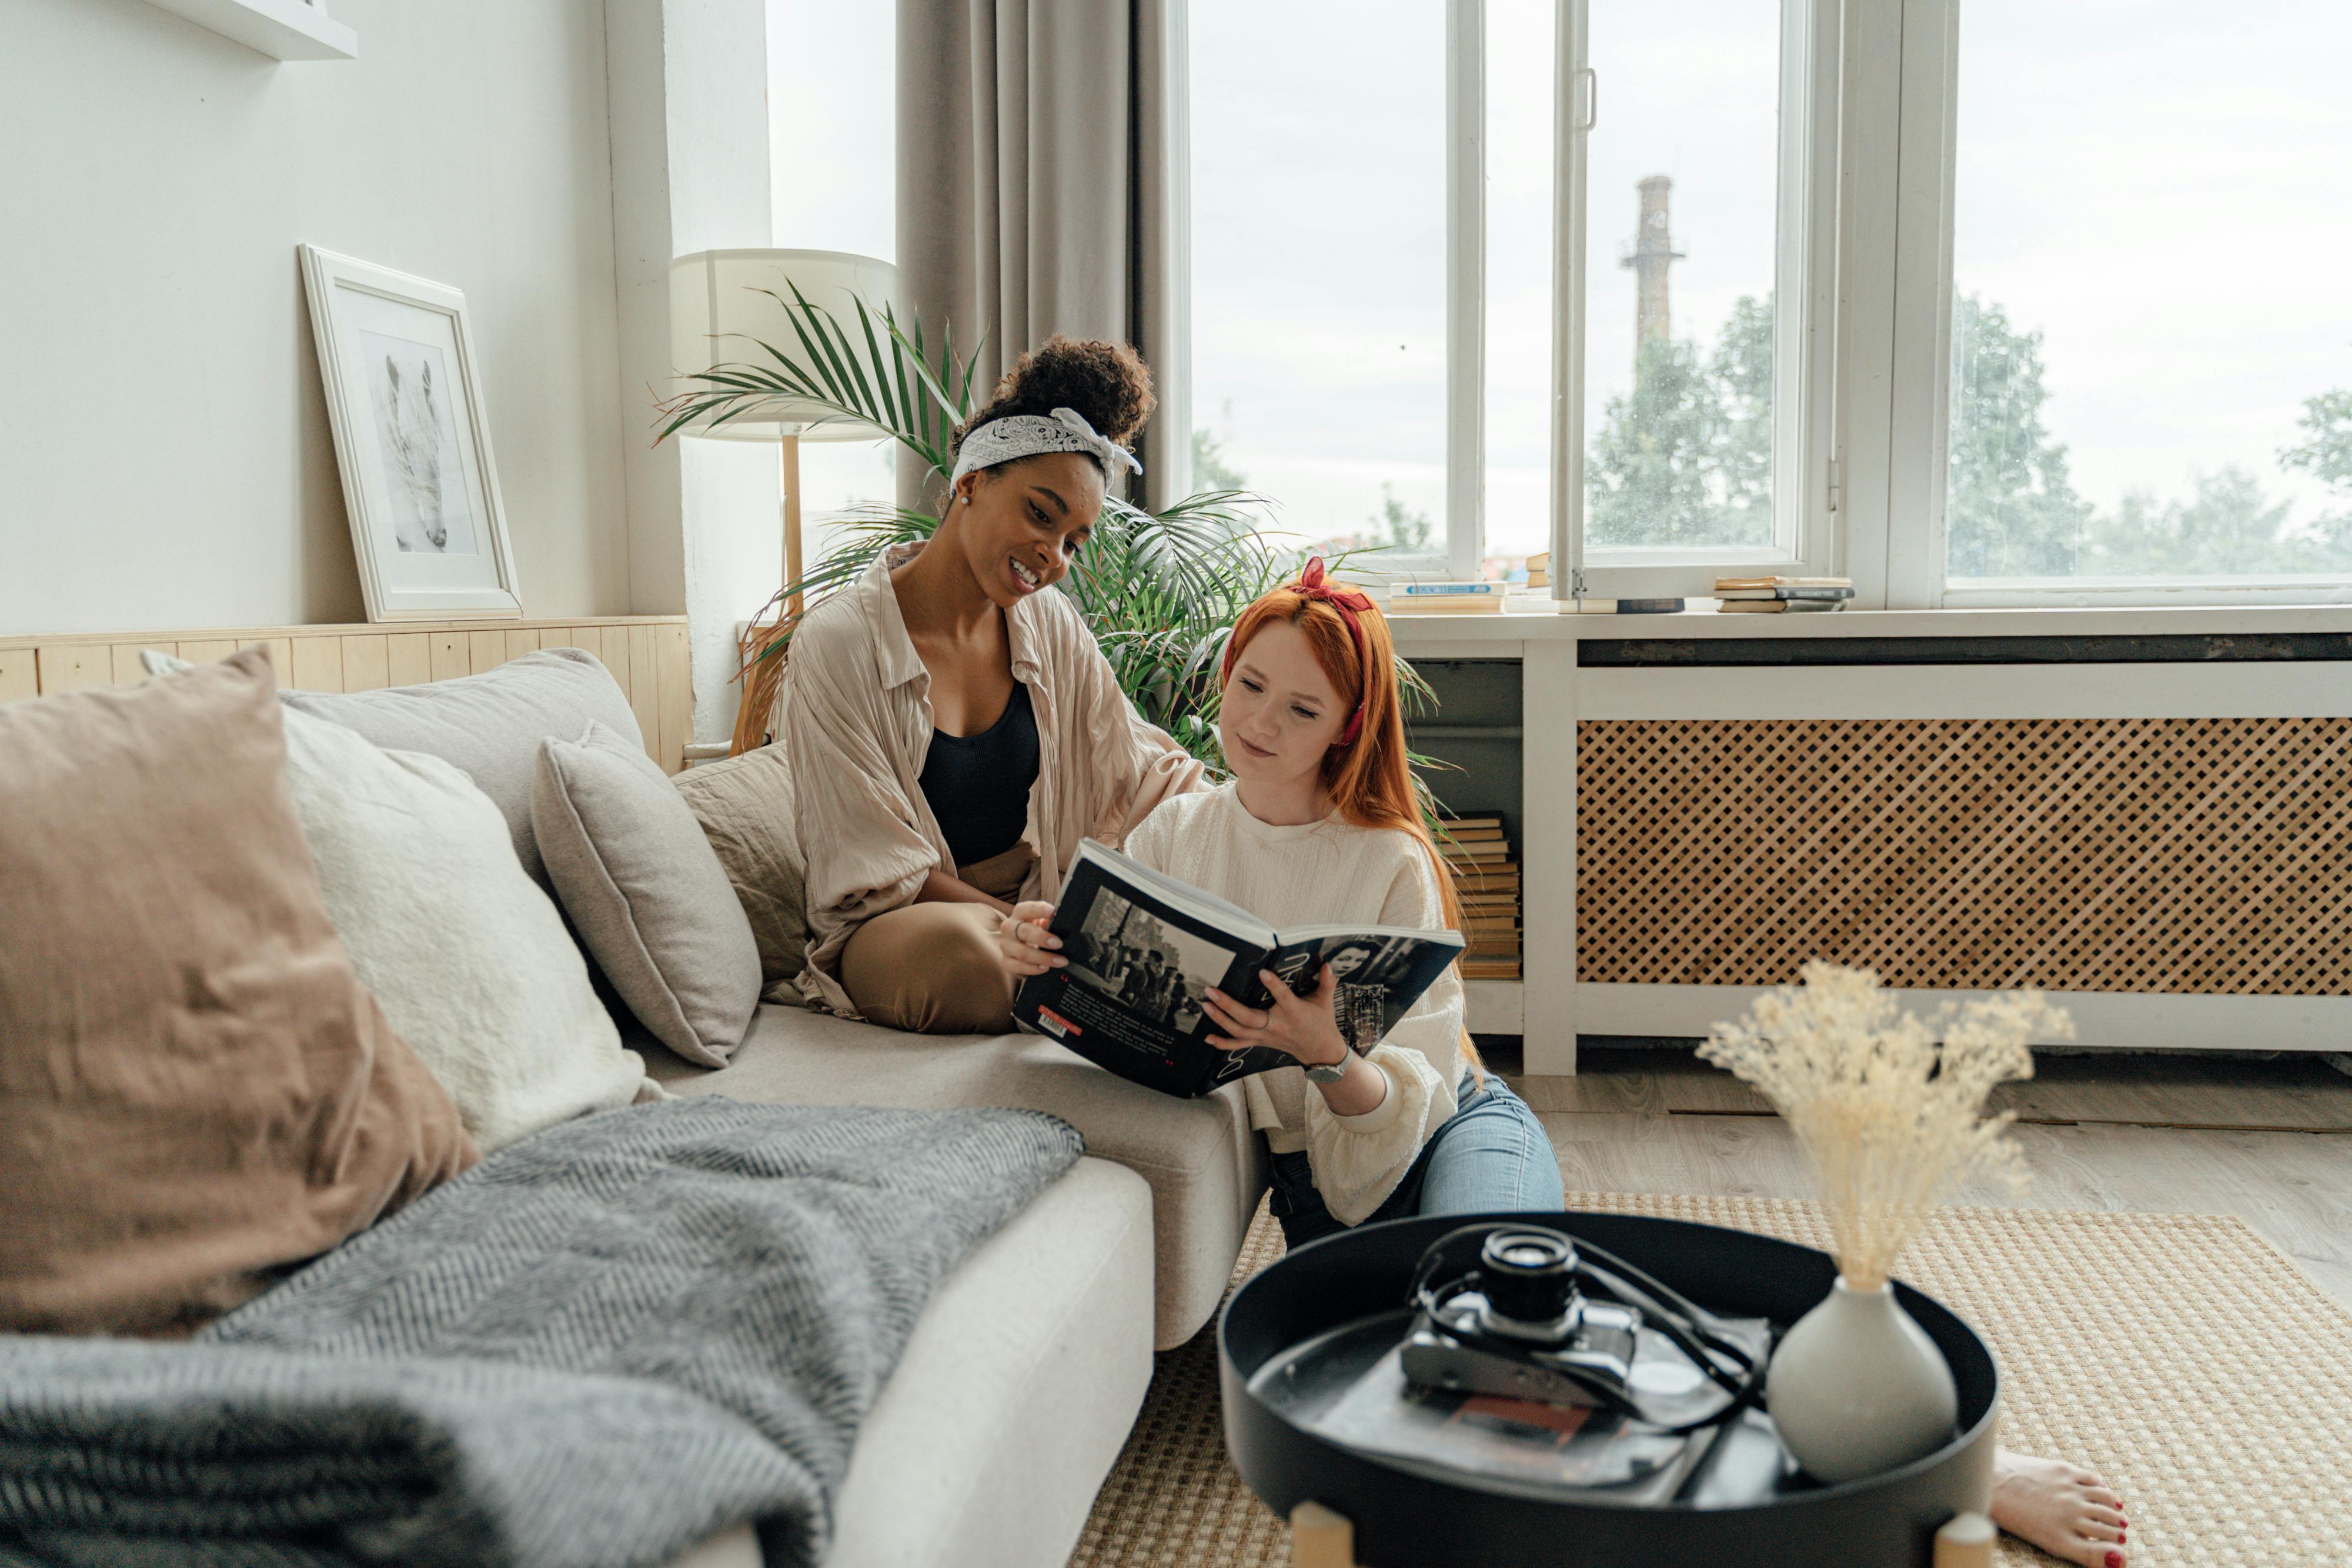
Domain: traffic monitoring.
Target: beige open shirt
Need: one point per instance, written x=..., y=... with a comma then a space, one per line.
x=857, y=726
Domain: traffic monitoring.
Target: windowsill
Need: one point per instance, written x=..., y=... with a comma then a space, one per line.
x=2070, y=621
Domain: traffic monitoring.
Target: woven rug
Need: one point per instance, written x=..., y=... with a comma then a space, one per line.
x=2179, y=1355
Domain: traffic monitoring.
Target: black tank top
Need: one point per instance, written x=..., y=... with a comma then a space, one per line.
x=978, y=785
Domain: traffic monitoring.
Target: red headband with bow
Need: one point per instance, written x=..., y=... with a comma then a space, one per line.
x=1313, y=584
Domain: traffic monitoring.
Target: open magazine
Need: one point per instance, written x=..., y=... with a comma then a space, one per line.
x=1145, y=949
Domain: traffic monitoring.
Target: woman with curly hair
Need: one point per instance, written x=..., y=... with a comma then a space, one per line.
x=953, y=730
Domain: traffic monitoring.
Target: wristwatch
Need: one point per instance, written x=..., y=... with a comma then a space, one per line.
x=1328, y=1072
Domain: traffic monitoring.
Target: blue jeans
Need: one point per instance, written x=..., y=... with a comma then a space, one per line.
x=1491, y=1155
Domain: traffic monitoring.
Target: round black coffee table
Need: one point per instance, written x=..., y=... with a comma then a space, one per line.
x=1407, y=1517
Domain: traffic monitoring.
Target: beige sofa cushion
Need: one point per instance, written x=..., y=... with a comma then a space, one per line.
x=196, y=1090
x=646, y=892
x=745, y=806
x=1202, y=1161
x=1013, y=1399
x=1016, y=1390
x=488, y=726
x=469, y=957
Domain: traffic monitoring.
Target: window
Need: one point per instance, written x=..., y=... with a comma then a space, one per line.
x=1681, y=189
x=2008, y=303
x=1319, y=140
x=835, y=66
x=1521, y=76
x=1694, y=409
x=1378, y=340
x=2151, y=337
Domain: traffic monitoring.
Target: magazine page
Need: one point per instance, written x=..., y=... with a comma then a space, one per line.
x=1181, y=896
x=1381, y=973
x=1132, y=997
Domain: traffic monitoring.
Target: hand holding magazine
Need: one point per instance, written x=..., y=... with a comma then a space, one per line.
x=1145, y=949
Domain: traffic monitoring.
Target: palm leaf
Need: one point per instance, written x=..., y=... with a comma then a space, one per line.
x=1160, y=590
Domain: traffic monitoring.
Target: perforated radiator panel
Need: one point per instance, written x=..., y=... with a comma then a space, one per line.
x=2152, y=855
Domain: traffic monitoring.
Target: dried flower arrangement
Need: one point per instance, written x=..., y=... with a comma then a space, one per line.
x=1889, y=1106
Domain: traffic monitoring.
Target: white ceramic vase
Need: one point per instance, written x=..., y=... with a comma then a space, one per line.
x=1858, y=1388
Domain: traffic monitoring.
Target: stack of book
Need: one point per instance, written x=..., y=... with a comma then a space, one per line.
x=1779, y=595
x=1540, y=569
x=1467, y=598
x=1486, y=880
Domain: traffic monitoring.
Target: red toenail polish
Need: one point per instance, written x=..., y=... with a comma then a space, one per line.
x=2115, y=1560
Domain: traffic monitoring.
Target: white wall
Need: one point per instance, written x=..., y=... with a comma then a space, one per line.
x=165, y=455
x=688, y=86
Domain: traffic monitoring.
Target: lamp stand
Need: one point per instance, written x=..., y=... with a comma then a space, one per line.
x=760, y=680
x=790, y=447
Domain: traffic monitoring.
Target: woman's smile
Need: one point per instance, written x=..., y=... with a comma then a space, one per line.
x=1025, y=579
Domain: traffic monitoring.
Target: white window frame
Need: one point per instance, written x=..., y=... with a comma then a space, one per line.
x=1915, y=45
x=1805, y=491
x=1869, y=98
x=1466, y=304
x=1466, y=291
x=1465, y=315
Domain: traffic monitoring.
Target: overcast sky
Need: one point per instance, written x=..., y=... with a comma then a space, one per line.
x=2161, y=188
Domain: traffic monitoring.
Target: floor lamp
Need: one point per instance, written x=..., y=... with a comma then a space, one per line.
x=722, y=308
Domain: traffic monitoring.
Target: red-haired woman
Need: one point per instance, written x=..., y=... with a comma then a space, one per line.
x=1319, y=825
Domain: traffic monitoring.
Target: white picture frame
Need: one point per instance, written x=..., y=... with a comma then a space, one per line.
x=405, y=402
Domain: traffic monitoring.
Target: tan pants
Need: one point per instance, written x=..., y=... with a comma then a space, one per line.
x=934, y=968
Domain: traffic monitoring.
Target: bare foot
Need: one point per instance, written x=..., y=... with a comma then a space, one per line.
x=2062, y=1509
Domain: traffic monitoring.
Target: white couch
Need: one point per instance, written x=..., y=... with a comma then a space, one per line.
x=1030, y=1363
x=1027, y=1369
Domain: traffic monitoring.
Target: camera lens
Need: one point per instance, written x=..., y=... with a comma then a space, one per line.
x=1528, y=1275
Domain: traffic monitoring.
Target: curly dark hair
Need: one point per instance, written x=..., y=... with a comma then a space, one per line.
x=1107, y=383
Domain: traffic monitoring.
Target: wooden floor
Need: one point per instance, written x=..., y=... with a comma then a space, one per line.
x=2152, y=1134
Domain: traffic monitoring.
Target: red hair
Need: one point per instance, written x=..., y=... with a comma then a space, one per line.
x=1368, y=778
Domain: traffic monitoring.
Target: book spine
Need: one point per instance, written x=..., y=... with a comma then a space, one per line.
x=1441, y=590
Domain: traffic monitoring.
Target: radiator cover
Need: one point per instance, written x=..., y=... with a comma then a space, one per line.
x=2152, y=855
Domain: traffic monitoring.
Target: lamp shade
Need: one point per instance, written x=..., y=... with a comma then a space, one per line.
x=721, y=312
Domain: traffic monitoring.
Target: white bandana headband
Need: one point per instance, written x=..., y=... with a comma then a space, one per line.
x=1028, y=434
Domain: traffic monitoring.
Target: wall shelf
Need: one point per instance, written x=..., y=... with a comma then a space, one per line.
x=282, y=29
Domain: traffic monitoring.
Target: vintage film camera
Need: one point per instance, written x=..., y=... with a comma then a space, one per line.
x=1540, y=1319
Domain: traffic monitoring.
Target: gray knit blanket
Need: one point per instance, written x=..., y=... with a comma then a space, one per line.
x=598, y=1347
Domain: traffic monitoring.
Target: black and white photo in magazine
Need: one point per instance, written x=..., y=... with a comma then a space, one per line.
x=1150, y=966
x=1364, y=967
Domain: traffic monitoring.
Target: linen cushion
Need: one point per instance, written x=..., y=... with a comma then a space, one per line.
x=195, y=1088
x=646, y=891
x=470, y=960
x=745, y=806
x=1205, y=1166
x=489, y=726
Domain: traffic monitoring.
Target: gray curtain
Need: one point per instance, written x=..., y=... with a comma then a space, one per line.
x=1042, y=188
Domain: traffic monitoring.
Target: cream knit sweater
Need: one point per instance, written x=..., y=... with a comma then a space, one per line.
x=1319, y=874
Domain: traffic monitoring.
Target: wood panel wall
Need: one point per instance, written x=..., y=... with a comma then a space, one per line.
x=646, y=653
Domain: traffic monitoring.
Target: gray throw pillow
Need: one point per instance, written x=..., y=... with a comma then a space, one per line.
x=488, y=726
x=745, y=807
x=646, y=892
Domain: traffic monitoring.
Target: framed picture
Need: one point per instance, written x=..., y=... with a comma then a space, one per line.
x=404, y=399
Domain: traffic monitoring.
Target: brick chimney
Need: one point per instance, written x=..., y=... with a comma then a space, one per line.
x=1653, y=251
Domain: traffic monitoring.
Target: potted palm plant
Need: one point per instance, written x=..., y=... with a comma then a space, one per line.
x=1159, y=589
